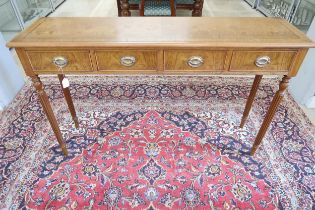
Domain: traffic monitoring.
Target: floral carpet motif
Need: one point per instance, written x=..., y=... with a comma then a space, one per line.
x=156, y=143
x=152, y=163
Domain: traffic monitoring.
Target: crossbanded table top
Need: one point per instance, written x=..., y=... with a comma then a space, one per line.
x=162, y=32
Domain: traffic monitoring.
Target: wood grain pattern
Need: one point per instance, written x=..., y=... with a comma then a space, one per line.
x=67, y=94
x=77, y=60
x=27, y=66
x=110, y=60
x=162, y=31
x=162, y=45
x=160, y=61
x=93, y=60
x=165, y=61
x=177, y=60
x=43, y=98
x=250, y=99
x=245, y=60
x=271, y=112
x=196, y=7
x=125, y=8
x=297, y=62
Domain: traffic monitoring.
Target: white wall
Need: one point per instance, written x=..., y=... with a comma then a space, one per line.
x=11, y=78
x=302, y=87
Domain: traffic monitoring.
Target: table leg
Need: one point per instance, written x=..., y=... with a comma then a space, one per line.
x=66, y=93
x=125, y=8
x=119, y=7
x=250, y=99
x=197, y=9
x=43, y=98
x=271, y=112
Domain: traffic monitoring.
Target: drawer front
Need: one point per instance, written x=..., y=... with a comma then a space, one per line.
x=194, y=60
x=43, y=60
x=262, y=60
x=117, y=60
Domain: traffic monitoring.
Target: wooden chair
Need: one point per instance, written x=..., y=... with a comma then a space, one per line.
x=194, y=5
x=157, y=8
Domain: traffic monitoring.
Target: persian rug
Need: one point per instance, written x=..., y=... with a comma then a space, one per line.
x=156, y=143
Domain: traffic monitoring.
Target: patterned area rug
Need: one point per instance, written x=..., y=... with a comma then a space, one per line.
x=156, y=143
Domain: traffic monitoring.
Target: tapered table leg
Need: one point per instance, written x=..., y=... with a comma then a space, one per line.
x=197, y=9
x=250, y=99
x=43, y=98
x=271, y=112
x=125, y=8
x=66, y=93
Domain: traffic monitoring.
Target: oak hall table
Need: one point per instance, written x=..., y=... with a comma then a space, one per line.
x=162, y=45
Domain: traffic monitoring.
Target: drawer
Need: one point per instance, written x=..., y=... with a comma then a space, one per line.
x=43, y=60
x=194, y=60
x=124, y=60
x=262, y=60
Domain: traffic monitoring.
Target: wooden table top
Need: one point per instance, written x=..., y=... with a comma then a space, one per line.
x=162, y=32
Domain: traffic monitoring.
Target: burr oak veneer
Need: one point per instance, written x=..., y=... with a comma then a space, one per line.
x=162, y=45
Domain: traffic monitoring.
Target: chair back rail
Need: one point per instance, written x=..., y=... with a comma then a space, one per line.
x=179, y=4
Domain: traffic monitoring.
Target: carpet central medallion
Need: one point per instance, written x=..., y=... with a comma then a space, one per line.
x=151, y=172
x=150, y=164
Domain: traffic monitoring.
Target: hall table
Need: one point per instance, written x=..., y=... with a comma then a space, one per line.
x=161, y=45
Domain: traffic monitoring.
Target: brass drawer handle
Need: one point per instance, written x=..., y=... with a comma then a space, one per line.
x=60, y=61
x=262, y=61
x=195, y=61
x=127, y=61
